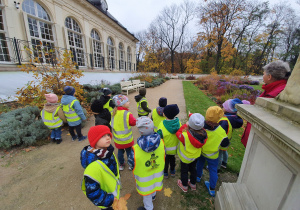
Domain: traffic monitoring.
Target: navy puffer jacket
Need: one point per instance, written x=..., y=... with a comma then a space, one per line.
x=93, y=189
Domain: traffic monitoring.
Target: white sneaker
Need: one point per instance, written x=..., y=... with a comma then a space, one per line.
x=121, y=167
x=130, y=168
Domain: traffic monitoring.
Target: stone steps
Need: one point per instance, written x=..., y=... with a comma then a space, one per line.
x=233, y=196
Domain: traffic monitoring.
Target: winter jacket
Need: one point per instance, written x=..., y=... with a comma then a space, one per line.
x=143, y=104
x=97, y=105
x=225, y=143
x=235, y=121
x=132, y=122
x=147, y=143
x=51, y=107
x=171, y=125
x=93, y=189
x=196, y=139
x=271, y=91
x=67, y=99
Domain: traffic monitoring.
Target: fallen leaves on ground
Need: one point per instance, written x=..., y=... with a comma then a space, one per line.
x=168, y=192
x=121, y=204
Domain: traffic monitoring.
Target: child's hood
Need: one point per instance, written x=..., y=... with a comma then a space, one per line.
x=160, y=111
x=196, y=139
x=149, y=143
x=138, y=98
x=172, y=125
x=50, y=107
x=66, y=99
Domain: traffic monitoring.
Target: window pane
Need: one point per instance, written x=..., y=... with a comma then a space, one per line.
x=28, y=6
x=1, y=20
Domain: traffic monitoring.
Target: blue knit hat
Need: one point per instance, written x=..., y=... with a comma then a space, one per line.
x=171, y=111
x=162, y=102
x=69, y=90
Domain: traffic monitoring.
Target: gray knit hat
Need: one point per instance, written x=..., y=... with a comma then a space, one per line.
x=196, y=121
x=145, y=125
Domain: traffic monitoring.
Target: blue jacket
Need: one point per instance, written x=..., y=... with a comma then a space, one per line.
x=147, y=143
x=235, y=121
x=93, y=189
x=66, y=99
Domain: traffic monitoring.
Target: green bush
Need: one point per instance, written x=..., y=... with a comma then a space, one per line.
x=148, y=84
x=22, y=127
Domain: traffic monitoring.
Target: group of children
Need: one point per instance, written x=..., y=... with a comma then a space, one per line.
x=55, y=114
x=162, y=137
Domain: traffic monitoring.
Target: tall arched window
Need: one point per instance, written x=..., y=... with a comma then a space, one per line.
x=4, y=52
x=111, y=53
x=97, y=49
x=75, y=41
x=40, y=30
x=121, y=54
x=129, y=58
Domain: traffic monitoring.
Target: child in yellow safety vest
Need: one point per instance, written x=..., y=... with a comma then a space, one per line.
x=148, y=160
x=216, y=137
x=228, y=122
x=101, y=180
x=121, y=123
x=167, y=130
x=103, y=107
x=158, y=113
x=142, y=103
x=73, y=112
x=53, y=117
x=192, y=137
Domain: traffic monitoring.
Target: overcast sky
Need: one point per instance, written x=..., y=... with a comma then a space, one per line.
x=136, y=15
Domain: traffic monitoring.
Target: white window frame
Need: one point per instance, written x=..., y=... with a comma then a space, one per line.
x=121, y=56
x=97, y=63
x=111, y=52
x=77, y=54
x=129, y=59
x=26, y=16
x=4, y=31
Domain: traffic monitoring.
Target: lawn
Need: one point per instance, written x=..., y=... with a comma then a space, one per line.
x=197, y=101
x=257, y=87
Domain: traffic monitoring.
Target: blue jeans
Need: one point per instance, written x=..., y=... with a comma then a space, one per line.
x=56, y=133
x=121, y=154
x=212, y=168
x=223, y=157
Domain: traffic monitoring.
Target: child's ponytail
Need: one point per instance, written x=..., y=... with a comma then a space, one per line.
x=114, y=111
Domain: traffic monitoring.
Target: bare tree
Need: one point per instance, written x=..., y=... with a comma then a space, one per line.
x=171, y=26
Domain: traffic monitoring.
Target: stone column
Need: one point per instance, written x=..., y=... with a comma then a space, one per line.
x=270, y=174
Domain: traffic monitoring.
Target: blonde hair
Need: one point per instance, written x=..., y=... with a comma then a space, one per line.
x=115, y=111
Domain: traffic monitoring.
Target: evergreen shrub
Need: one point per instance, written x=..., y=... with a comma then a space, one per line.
x=22, y=127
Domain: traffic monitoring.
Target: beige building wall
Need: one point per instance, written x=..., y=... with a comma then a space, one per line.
x=88, y=18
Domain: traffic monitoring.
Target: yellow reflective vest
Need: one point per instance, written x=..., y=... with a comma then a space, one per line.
x=171, y=140
x=157, y=119
x=121, y=129
x=214, y=138
x=229, y=134
x=140, y=110
x=149, y=169
x=99, y=172
x=50, y=120
x=70, y=113
x=187, y=153
x=106, y=106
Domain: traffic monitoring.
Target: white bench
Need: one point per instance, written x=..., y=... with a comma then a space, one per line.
x=126, y=86
x=138, y=84
x=174, y=77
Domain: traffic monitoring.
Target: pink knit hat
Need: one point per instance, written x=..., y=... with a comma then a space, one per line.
x=51, y=98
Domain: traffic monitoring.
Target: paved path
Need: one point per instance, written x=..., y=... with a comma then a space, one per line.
x=49, y=177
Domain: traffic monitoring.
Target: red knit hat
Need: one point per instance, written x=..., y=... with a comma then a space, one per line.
x=96, y=132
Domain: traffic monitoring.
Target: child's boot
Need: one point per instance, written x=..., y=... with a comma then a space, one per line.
x=82, y=138
x=74, y=138
x=58, y=141
x=210, y=191
x=184, y=188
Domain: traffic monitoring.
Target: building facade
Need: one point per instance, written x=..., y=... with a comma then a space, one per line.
x=96, y=39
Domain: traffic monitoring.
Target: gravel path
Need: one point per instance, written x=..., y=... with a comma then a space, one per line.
x=49, y=177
